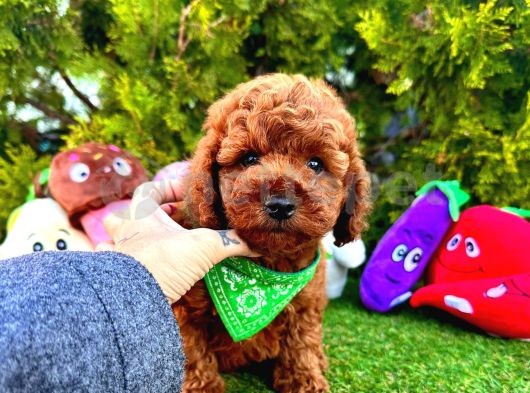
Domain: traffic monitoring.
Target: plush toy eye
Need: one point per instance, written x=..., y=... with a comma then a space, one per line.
x=79, y=172
x=121, y=166
x=250, y=159
x=453, y=243
x=399, y=253
x=38, y=247
x=61, y=245
x=316, y=164
x=412, y=259
x=472, y=249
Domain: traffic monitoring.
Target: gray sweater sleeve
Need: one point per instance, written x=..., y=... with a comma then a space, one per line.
x=85, y=322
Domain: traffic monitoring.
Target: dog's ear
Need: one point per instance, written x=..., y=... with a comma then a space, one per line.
x=203, y=197
x=352, y=218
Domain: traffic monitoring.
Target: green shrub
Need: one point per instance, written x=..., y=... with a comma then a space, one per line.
x=437, y=90
x=464, y=66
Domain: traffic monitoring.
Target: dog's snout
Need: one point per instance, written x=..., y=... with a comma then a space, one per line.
x=280, y=208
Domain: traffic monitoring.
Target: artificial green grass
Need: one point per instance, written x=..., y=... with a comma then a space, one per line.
x=408, y=350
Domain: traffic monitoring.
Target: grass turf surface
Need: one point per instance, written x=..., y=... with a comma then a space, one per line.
x=408, y=350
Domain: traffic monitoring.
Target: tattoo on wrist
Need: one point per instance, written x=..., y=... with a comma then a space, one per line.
x=121, y=241
x=226, y=239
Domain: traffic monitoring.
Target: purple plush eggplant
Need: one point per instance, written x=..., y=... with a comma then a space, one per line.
x=402, y=254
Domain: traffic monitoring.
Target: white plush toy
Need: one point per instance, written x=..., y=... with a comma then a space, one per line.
x=41, y=225
x=339, y=260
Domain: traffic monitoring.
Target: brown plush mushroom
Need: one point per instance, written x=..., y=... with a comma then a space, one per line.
x=92, y=176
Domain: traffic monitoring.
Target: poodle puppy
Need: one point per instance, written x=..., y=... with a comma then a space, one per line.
x=280, y=164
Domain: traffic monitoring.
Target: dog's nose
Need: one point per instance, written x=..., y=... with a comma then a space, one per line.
x=280, y=208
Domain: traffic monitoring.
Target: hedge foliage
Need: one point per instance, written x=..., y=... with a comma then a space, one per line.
x=438, y=90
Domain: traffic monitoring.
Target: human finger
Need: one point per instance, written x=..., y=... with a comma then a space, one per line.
x=162, y=191
x=149, y=196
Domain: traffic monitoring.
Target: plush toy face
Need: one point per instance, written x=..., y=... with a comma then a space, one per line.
x=486, y=242
x=402, y=254
x=93, y=175
x=41, y=225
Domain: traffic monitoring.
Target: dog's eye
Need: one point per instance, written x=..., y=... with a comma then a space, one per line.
x=250, y=159
x=316, y=164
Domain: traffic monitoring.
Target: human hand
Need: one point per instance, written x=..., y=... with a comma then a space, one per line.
x=176, y=257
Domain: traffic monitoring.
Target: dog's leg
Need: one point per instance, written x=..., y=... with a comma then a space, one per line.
x=202, y=372
x=301, y=362
x=323, y=360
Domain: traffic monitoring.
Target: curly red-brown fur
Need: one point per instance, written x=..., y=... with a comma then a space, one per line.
x=286, y=121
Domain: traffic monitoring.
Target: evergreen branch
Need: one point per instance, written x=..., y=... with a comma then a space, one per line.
x=50, y=112
x=156, y=13
x=77, y=92
x=217, y=22
x=137, y=122
x=214, y=24
x=183, y=41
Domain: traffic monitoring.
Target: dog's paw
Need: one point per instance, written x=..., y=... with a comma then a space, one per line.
x=195, y=385
x=300, y=382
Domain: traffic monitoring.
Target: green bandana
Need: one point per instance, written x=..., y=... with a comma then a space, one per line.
x=249, y=296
